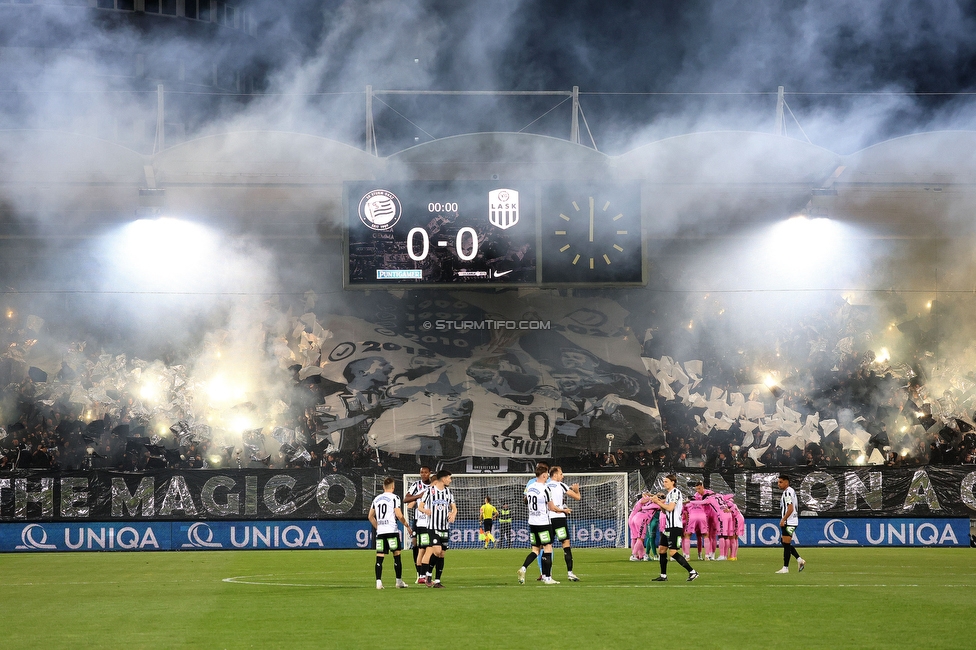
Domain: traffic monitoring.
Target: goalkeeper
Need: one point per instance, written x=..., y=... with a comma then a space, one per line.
x=488, y=515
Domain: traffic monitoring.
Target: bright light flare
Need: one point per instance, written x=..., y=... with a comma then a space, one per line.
x=149, y=392
x=801, y=251
x=240, y=424
x=882, y=356
x=770, y=381
x=221, y=391
x=164, y=254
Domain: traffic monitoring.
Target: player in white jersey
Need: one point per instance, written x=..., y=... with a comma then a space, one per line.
x=441, y=510
x=671, y=505
x=558, y=491
x=544, y=464
x=539, y=505
x=421, y=531
x=789, y=520
x=383, y=514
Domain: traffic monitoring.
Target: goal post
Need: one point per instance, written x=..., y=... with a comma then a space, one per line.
x=598, y=520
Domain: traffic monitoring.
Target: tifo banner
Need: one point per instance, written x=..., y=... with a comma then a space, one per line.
x=447, y=377
x=187, y=495
x=231, y=495
x=940, y=491
x=861, y=531
x=184, y=536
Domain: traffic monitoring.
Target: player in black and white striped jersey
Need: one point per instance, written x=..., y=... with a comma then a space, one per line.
x=789, y=520
x=558, y=491
x=383, y=514
x=439, y=506
x=671, y=504
x=421, y=531
x=539, y=503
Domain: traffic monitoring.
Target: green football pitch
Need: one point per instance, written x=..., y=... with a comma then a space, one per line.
x=846, y=598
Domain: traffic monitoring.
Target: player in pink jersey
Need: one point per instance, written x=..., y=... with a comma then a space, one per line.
x=639, y=519
x=697, y=523
x=713, y=507
x=725, y=529
x=738, y=526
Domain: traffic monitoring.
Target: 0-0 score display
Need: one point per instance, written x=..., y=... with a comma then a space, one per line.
x=442, y=233
x=491, y=233
x=421, y=234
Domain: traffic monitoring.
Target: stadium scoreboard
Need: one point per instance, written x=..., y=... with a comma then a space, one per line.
x=492, y=234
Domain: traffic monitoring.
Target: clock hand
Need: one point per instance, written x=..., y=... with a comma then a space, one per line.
x=591, y=218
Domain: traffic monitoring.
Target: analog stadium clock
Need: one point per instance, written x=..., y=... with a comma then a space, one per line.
x=592, y=235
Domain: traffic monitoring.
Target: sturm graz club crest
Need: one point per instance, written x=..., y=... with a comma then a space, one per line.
x=503, y=208
x=379, y=210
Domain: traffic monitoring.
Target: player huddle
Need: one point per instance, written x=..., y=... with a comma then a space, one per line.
x=545, y=499
x=713, y=518
x=436, y=511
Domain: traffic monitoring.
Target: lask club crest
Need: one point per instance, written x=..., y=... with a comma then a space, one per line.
x=503, y=208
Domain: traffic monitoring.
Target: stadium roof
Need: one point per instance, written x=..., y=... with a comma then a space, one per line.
x=910, y=185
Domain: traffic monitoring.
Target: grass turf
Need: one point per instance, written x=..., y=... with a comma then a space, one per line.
x=862, y=597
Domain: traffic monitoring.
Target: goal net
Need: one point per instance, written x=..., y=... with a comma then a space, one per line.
x=599, y=519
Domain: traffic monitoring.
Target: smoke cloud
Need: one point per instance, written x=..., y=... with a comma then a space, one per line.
x=855, y=75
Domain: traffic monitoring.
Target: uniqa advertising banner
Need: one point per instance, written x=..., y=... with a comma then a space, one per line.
x=184, y=536
x=861, y=531
x=251, y=535
x=353, y=534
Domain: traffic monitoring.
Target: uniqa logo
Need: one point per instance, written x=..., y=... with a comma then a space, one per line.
x=201, y=536
x=831, y=534
x=29, y=541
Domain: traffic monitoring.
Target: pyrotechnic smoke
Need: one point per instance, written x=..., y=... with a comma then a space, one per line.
x=193, y=304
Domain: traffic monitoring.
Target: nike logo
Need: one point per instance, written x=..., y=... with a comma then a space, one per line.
x=499, y=274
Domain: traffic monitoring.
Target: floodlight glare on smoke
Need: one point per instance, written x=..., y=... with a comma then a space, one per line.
x=163, y=255
x=801, y=250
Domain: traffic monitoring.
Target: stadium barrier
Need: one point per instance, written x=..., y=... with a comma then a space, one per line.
x=240, y=535
x=358, y=534
x=314, y=494
x=861, y=531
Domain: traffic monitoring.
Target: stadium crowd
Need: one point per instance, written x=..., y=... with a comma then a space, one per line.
x=828, y=401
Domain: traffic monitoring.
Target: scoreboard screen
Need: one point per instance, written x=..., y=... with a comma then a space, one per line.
x=491, y=234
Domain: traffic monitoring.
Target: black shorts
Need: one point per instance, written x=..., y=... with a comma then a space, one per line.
x=486, y=525
x=388, y=543
x=787, y=531
x=540, y=535
x=560, y=529
x=671, y=538
x=422, y=535
x=440, y=538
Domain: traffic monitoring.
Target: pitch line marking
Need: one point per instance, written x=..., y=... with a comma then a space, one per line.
x=252, y=580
